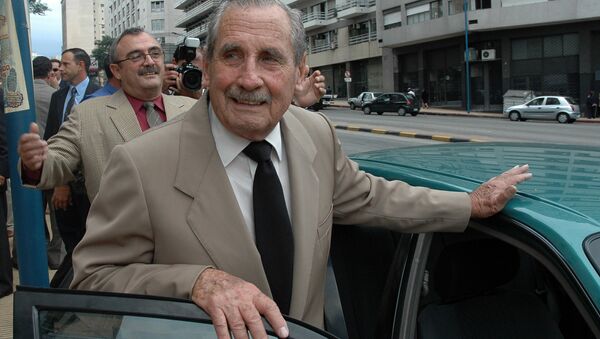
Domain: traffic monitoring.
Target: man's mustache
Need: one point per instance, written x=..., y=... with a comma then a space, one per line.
x=149, y=69
x=257, y=96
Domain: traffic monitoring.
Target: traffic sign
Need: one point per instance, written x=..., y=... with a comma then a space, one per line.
x=348, y=79
x=347, y=75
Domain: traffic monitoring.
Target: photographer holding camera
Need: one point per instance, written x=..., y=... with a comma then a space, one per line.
x=183, y=76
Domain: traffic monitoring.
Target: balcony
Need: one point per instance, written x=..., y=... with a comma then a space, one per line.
x=357, y=39
x=322, y=47
x=180, y=4
x=354, y=8
x=290, y=3
x=203, y=9
x=319, y=19
x=199, y=31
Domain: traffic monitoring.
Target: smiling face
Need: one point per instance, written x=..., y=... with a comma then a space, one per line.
x=141, y=79
x=252, y=74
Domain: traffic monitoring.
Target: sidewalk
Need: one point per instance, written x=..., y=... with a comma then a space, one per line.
x=342, y=103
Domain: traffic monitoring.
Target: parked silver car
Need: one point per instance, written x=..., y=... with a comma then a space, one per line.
x=559, y=108
x=362, y=98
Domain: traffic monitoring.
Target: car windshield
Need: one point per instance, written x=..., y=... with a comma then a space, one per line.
x=570, y=100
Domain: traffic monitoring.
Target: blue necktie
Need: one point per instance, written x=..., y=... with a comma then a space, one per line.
x=70, y=103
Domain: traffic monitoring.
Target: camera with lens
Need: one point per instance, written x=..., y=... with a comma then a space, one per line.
x=191, y=76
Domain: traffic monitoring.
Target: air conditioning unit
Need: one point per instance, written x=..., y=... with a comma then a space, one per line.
x=488, y=54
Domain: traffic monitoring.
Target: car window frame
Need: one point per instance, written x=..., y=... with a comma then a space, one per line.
x=555, y=98
x=514, y=233
x=29, y=299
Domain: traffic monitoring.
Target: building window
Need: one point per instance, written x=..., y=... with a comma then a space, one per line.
x=419, y=11
x=392, y=18
x=158, y=25
x=157, y=6
x=547, y=65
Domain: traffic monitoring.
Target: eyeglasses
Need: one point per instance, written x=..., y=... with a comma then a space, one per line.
x=135, y=57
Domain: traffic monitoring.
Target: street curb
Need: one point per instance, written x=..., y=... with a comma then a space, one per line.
x=478, y=114
x=405, y=134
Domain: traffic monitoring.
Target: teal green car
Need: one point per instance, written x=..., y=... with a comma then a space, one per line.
x=530, y=272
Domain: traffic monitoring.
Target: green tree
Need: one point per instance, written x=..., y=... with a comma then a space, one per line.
x=102, y=49
x=37, y=7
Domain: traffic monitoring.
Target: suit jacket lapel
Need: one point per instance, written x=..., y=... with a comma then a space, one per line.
x=123, y=117
x=213, y=217
x=301, y=153
x=172, y=106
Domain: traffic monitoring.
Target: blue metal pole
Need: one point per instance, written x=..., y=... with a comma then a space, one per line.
x=467, y=64
x=20, y=112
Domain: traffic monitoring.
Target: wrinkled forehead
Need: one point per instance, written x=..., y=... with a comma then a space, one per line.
x=269, y=24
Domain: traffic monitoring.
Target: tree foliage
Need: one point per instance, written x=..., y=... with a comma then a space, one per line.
x=102, y=49
x=37, y=7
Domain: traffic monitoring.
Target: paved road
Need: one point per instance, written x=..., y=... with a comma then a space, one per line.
x=475, y=127
x=355, y=142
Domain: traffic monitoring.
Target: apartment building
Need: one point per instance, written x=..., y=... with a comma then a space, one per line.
x=82, y=23
x=548, y=46
x=542, y=45
x=341, y=37
x=157, y=17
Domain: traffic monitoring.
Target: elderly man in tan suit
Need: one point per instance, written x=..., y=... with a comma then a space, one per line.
x=183, y=219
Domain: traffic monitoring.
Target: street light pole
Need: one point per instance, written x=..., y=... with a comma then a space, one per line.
x=467, y=55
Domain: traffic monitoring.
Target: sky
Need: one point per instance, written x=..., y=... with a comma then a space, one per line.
x=46, y=31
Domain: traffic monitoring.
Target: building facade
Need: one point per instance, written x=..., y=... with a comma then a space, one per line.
x=157, y=17
x=341, y=37
x=390, y=45
x=76, y=28
x=548, y=46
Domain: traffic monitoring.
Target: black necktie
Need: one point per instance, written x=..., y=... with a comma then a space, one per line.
x=274, y=237
x=70, y=103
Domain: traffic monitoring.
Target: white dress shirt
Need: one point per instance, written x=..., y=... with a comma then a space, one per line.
x=241, y=169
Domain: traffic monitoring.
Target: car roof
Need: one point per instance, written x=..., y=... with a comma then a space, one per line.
x=561, y=202
x=564, y=175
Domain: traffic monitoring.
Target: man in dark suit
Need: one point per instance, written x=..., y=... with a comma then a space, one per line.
x=6, y=276
x=70, y=201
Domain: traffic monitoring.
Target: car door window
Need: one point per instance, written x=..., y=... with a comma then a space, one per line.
x=552, y=101
x=57, y=313
x=536, y=102
x=472, y=284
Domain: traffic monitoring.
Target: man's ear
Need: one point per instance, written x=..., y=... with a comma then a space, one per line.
x=116, y=71
x=302, y=69
x=205, y=75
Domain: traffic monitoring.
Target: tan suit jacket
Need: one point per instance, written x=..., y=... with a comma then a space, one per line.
x=173, y=211
x=93, y=129
x=43, y=92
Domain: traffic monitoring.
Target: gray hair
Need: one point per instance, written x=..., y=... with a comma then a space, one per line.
x=298, y=37
x=112, y=52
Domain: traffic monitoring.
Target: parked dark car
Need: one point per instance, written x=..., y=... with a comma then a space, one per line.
x=532, y=271
x=400, y=103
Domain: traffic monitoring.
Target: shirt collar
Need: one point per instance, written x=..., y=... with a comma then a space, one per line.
x=137, y=103
x=81, y=87
x=230, y=145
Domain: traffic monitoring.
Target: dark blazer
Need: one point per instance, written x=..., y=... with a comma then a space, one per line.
x=57, y=103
